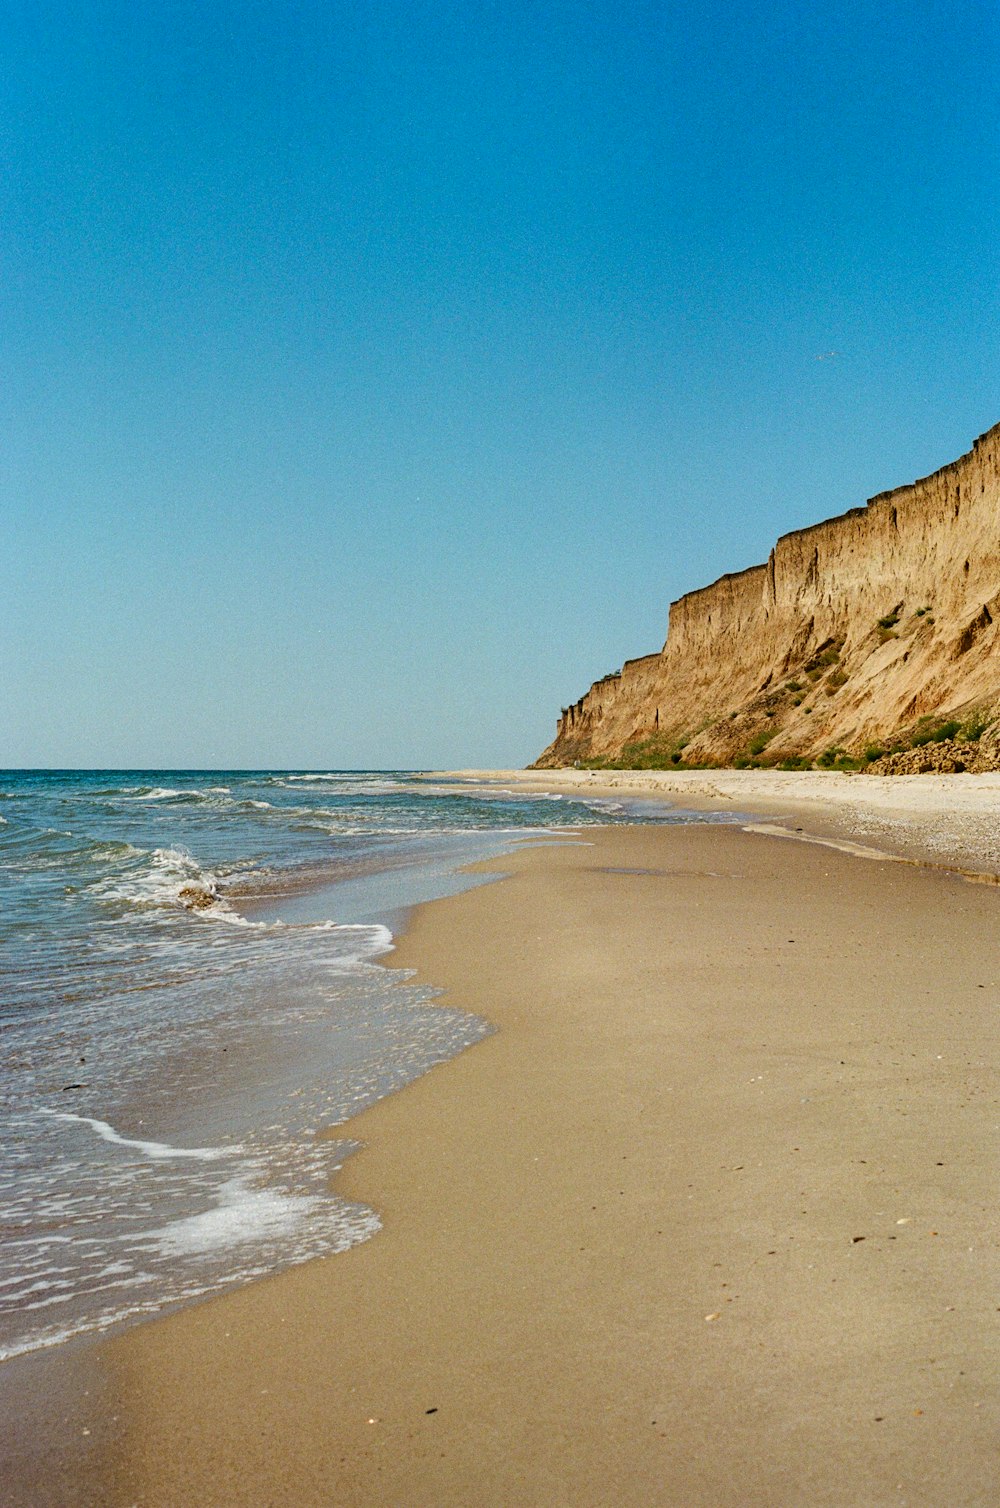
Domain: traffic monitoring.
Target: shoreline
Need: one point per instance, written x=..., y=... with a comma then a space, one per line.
x=568, y=1208
x=951, y=822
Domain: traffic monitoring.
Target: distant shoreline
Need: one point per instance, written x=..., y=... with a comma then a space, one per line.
x=950, y=821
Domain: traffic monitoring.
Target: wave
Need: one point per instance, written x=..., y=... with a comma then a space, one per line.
x=366, y=785
x=292, y=1224
x=171, y=877
x=34, y=852
x=146, y=793
x=157, y=1151
x=150, y=793
x=378, y=937
x=345, y=775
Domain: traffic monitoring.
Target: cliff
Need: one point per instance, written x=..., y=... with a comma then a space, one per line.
x=856, y=632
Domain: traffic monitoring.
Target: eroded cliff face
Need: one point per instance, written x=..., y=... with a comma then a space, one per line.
x=853, y=631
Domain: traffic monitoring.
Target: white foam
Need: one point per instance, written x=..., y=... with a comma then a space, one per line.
x=315, y=775
x=378, y=936
x=169, y=872
x=221, y=911
x=244, y=1213
x=168, y=869
x=157, y=1151
x=374, y=938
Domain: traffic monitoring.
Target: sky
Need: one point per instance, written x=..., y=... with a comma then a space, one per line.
x=374, y=375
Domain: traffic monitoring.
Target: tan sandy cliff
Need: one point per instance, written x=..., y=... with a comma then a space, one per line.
x=868, y=631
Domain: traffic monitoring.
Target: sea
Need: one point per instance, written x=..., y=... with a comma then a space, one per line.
x=195, y=981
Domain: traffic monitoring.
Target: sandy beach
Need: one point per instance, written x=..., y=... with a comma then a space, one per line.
x=710, y=1219
x=395, y=389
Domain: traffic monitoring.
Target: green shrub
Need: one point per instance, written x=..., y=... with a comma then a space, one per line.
x=837, y=758
x=935, y=735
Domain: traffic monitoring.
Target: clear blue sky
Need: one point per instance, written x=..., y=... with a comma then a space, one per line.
x=375, y=374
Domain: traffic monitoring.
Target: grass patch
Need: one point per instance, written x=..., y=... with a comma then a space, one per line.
x=760, y=743
x=655, y=753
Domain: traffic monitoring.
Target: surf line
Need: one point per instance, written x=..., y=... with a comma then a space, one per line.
x=157, y=1151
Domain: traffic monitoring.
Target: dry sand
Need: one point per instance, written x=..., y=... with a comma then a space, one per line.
x=710, y=1220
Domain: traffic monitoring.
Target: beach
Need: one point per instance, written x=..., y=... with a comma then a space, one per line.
x=709, y=1219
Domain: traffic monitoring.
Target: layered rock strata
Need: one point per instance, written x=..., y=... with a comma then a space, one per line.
x=856, y=632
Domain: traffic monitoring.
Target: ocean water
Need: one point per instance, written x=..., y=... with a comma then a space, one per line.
x=192, y=985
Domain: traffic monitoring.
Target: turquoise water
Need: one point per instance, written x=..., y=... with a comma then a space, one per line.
x=193, y=984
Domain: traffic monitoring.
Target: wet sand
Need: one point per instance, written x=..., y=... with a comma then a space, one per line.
x=710, y=1220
